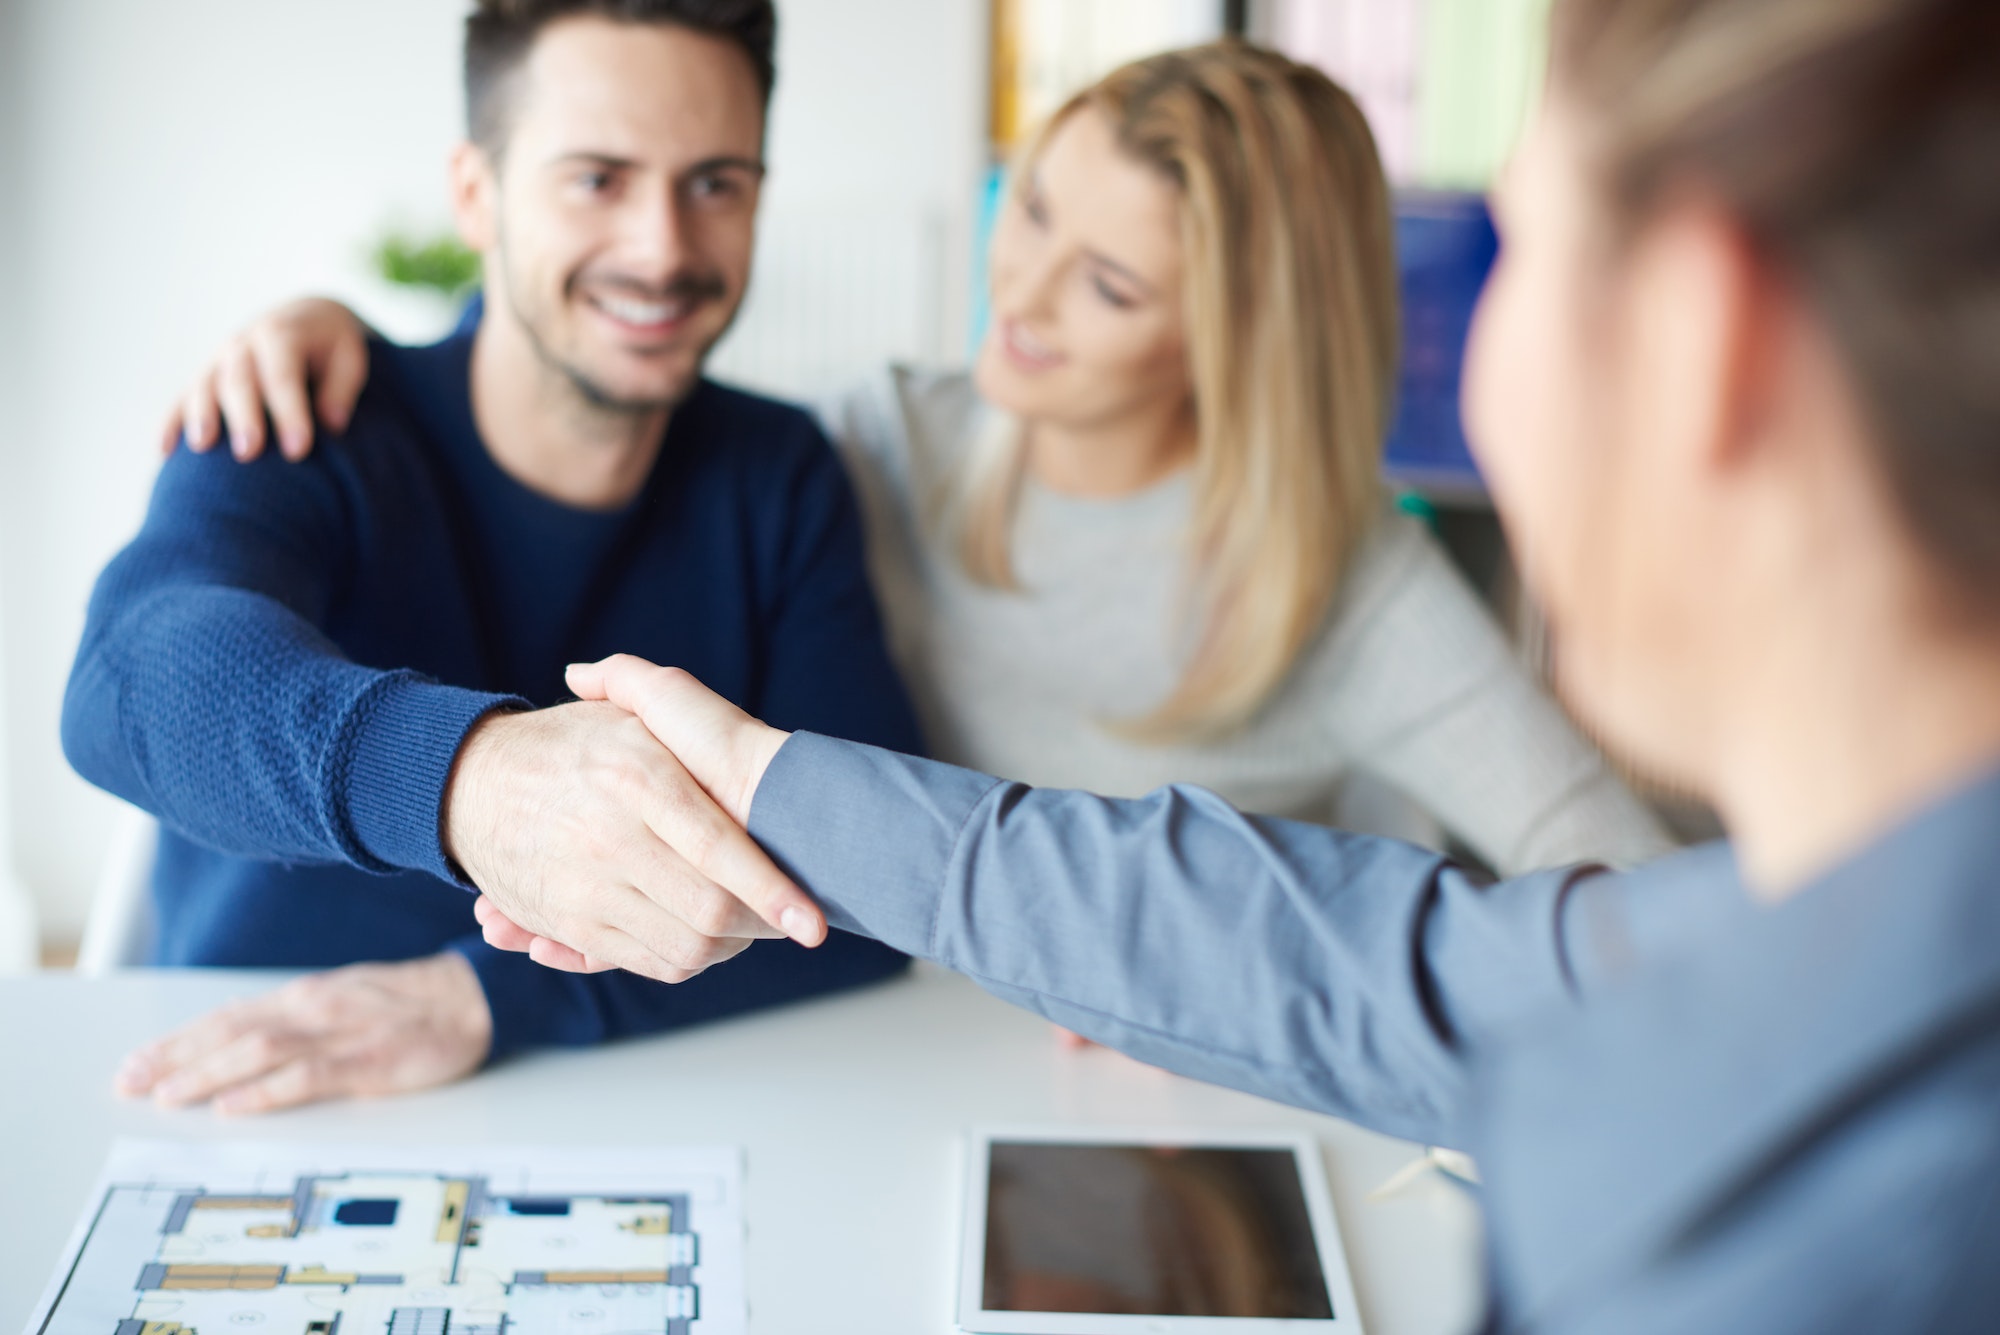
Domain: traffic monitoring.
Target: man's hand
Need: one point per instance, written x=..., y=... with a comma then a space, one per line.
x=357, y=1032
x=273, y=365
x=723, y=749
x=583, y=829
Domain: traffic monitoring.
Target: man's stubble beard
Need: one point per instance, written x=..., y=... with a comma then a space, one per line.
x=591, y=396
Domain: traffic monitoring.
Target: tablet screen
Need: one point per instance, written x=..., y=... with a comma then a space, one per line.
x=1150, y=1230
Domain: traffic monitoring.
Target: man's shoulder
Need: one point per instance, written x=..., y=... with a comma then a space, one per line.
x=381, y=447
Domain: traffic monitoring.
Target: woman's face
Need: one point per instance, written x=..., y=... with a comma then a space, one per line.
x=1087, y=326
x=1580, y=406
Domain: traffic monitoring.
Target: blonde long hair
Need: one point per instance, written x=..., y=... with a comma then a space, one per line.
x=1293, y=335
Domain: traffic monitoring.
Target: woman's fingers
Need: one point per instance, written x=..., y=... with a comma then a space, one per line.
x=170, y=431
x=340, y=381
x=503, y=933
x=242, y=404
x=281, y=382
x=615, y=948
x=555, y=955
x=199, y=416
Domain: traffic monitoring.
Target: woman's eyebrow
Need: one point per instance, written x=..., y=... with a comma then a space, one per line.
x=1098, y=257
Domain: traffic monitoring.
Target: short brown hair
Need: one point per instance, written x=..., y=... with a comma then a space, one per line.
x=500, y=33
x=1858, y=143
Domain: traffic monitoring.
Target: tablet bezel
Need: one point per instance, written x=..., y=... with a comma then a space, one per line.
x=975, y=1319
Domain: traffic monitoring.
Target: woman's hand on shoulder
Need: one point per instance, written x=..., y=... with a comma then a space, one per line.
x=274, y=366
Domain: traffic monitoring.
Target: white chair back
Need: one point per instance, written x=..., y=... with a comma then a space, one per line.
x=120, y=932
x=20, y=942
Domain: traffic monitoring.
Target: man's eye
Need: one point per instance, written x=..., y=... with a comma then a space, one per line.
x=595, y=183
x=714, y=187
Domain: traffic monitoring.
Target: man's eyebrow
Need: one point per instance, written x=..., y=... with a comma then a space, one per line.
x=613, y=162
x=585, y=156
x=724, y=163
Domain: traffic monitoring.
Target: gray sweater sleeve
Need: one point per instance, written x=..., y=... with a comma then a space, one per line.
x=1422, y=690
x=1345, y=974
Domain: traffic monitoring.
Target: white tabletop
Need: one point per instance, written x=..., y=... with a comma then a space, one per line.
x=851, y=1111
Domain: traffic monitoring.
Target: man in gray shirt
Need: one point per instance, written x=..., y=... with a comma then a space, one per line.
x=1733, y=388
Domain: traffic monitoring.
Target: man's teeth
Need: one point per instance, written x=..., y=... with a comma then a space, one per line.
x=641, y=312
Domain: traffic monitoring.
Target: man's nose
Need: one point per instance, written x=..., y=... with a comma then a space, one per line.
x=654, y=235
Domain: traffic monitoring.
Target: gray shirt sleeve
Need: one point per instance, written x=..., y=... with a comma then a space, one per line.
x=1336, y=972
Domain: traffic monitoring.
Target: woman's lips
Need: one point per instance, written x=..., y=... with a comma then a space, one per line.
x=1025, y=350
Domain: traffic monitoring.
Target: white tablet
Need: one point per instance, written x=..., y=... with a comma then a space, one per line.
x=1098, y=1231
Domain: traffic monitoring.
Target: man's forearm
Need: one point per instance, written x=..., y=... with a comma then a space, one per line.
x=1346, y=974
x=236, y=722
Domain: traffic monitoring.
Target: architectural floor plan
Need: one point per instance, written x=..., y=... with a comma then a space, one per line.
x=291, y=1240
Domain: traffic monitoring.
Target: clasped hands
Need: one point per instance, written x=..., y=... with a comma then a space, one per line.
x=658, y=875
x=608, y=833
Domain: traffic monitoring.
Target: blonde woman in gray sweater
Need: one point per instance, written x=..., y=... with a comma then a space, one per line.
x=1144, y=541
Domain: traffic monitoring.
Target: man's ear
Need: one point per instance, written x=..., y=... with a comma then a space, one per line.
x=1702, y=306
x=475, y=196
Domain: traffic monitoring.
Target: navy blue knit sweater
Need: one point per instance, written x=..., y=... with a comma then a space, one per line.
x=281, y=667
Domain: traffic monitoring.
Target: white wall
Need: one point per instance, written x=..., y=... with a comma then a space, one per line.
x=17, y=924
x=184, y=164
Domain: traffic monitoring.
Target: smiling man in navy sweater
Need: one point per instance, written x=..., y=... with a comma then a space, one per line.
x=337, y=683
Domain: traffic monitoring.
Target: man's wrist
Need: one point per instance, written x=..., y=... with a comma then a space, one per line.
x=402, y=748
x=459, y=819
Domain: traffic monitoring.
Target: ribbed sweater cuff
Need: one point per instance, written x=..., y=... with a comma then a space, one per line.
x=404, y=744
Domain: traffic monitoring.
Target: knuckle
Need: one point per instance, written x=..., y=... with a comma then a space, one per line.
x=312, y=994
x=695, y=836
x=712, y=916
x=699, y=955
x=310, y=1077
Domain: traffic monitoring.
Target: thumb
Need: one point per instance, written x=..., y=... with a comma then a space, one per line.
x=688, y=719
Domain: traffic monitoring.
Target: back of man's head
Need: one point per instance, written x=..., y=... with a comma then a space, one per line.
x=500, y=33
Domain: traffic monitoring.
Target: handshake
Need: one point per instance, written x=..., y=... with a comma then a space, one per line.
x=610, y=833
x=604, y=834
